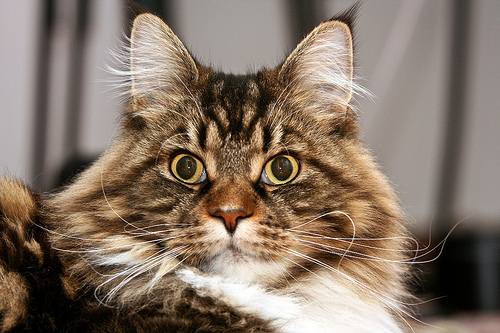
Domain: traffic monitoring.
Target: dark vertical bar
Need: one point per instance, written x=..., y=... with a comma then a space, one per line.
x=161, y=8
x=75, y=79
x=488, y=272
x=461, y=256
x=168, y=13
x=303, y=18
x=154, y=6
x=42, y=82
x=456, y=112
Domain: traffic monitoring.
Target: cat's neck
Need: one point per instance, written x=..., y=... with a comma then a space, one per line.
x=319, y=303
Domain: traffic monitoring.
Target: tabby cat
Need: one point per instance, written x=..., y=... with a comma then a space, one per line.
x=228, y=203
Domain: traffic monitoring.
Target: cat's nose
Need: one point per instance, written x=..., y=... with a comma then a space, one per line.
x=230, y=216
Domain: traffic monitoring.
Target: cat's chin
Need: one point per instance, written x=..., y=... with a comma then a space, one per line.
x=239, y=256
x=237, y=265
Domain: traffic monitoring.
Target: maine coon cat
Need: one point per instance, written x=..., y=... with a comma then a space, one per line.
x=228, y=203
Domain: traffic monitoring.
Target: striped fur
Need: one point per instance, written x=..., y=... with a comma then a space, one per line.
x=127, y=245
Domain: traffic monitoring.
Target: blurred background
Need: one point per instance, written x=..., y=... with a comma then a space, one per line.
x=434, y=123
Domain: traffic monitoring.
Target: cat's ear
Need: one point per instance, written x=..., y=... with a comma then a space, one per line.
x=318, y=74
x=159, y=62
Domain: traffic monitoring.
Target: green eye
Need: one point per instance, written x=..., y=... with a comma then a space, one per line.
x=280, y=170
x=188, y=169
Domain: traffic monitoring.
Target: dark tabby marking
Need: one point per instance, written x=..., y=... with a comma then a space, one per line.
x=105, y=253
x=36, y=297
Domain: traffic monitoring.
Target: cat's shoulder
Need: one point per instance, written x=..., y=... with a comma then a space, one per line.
x=17, y=201
x=18, y=207
x=19, y=210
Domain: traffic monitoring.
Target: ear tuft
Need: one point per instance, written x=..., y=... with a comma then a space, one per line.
x=158, y=59
x=319, y=72
x=348, y=16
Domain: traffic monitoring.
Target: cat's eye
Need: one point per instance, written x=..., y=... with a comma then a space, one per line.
x=280, y=170
x=188, y=169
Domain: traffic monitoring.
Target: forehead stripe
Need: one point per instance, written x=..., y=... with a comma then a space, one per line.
x=334, y=174
x=202, y=135
x=261, y=105
x=266, y=138
x=208, y=101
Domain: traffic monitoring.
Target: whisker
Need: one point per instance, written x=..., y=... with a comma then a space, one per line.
x=348, y=277
x=352, y=240
x=308, y=234
x=349, y=254
x=150, y=233
x=439, y=246
x=159, y=275
x=134, y=271
x=334, y=212
x=165, y=250
x=109, y=205
x=96, y=250
x=383, y=298
x=388, y=301
x=143, y=268
x=326, y=284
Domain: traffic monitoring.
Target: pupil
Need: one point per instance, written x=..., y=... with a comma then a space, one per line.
x=282, y=168
x=186, y=167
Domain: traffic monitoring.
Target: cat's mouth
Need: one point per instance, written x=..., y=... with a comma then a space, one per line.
x=239, y=255
x=237, y=252
x=239, y=244
x=241, y=264
x=228, y=261
x=233, y=251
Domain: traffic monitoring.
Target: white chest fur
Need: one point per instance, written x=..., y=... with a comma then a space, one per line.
x=317, y=306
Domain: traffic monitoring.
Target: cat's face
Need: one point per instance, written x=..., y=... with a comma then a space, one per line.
x=233, y=175
x=256, y=177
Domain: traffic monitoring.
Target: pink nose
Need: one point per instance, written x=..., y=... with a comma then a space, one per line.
x=230, y=217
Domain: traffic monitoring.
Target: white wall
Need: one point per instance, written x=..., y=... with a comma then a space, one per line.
x=238, y=36
x=18, y=23
x=101, y=106
x=479, y=191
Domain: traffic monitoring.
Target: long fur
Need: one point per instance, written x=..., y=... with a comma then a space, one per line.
x=128, y=245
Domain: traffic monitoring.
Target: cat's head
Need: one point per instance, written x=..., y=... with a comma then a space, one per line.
x=258, y=177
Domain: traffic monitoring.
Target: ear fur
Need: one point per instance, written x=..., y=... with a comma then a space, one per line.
x=158, y=59
x=319, y=72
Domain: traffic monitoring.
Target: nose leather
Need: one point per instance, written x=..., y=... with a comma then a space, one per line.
x=230, y=217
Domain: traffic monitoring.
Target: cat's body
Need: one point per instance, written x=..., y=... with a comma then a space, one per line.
x=227, y=204
x=37, y=295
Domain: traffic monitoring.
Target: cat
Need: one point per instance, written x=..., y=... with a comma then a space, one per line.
x=227, y=203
